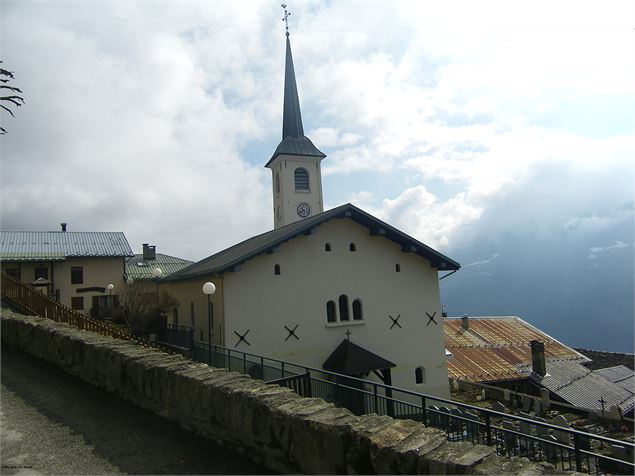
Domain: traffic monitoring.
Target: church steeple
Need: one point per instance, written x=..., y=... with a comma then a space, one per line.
x=291, y=116
x=295, y=165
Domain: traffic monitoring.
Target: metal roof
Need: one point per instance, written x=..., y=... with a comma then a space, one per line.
x=58, y=245
x=137, y=268
x=579, y=386
x=294, y=142
x=619, y=375
x=496, y=348
x=267, y=242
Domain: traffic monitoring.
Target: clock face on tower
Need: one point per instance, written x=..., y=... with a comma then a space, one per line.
x=304, y=210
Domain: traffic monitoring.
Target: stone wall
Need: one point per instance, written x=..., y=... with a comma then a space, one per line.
x=271, y=425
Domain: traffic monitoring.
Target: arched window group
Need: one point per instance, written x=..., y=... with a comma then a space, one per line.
x=301, y=177
x=276, y=270
x=344, y=310
x=351, y=247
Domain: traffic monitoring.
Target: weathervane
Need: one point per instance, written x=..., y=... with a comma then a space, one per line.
x=286, y=17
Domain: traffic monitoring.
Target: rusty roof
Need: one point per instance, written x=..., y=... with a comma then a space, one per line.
x=497, y=348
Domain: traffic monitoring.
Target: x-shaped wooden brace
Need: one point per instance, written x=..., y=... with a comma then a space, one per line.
x=431, y=318
x=395, y=321
x=291, y=332
x=241, y=338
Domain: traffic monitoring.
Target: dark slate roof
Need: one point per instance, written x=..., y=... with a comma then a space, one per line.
x=578, y=386
x=59, y=245
x=292, y=118
x=138, y=268
x=294, y=142
x=294, y=146
x=351, y=359
x=266, y=242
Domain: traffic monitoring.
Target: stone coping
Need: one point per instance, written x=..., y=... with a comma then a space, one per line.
x=271, y=425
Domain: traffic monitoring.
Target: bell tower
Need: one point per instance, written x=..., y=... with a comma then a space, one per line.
x=295, y=165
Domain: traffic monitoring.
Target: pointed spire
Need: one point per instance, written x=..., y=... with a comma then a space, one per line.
x=294, y=142
x=291, y=116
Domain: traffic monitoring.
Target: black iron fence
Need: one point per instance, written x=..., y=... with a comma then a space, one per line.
x=511, y=435
x=179, y=336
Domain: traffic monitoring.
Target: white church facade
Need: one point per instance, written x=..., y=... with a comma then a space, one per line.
x=326, y=289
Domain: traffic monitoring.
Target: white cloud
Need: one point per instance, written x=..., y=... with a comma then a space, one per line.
x=482, y=261
x=141, y=122
x=598, y=250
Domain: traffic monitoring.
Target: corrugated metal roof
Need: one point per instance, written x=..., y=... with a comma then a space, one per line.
x=579, y=386
x=58, y=245
x=241, y=252
x=137, y=268
x=496, y=348
x=619, y=375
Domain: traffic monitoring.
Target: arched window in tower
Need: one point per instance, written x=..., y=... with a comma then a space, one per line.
x=327, y=247
x=276, y=270
x=420, y=375
x=397, y=268
x=352, y=247
x=277, y=184
x=357, y=310
x=330, y=311
x=301, y=177
x=343, y=302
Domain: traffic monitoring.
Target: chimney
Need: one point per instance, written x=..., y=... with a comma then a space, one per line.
x=465, y=322
x=63, y=226
x=149, y=252
x=538, y=365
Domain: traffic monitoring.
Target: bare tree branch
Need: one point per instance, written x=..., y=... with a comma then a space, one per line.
x=15, y=100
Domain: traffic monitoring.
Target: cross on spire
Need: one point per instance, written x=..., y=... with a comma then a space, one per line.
x=286, y=17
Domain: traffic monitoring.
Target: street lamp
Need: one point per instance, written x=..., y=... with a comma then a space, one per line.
x=157, y=273
x=208, y=289
x=110, y=287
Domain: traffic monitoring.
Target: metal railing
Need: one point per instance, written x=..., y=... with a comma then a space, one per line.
x=511, y=435
x=179, y=336
x=27, y=299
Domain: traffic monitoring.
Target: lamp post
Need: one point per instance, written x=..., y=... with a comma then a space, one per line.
x=110, y=287
x=208, y=289
x=157, y=273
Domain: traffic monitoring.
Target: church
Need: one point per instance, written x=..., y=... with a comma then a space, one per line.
x=338, y=289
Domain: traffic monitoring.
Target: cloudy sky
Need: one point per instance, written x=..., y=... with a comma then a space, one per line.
x=500, y=133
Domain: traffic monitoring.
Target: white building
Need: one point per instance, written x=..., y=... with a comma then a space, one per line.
x=320, y=280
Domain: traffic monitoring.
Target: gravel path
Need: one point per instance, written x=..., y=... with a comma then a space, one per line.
x=52, y=423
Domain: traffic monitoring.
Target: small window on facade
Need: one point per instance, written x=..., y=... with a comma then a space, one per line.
x=357, y=310
x=77, y=275
x=276, y=269
x=398, y=268
x=77, y=303
x=327, y=247
x=301, y=177
x=175, y=316
x=352, y=247
x=277, y=185
x=343, y=301
x=330, y=311
x=420, y=375
x=41, y=273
